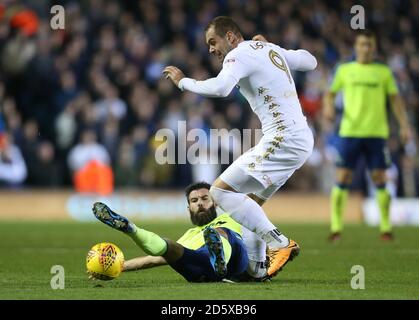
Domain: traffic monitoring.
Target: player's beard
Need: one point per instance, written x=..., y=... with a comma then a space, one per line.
x=203, y=216
x=223, y=53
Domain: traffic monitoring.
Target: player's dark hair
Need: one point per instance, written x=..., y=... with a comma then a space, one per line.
x=366, y=33
x=222, y=25
x=196, y=186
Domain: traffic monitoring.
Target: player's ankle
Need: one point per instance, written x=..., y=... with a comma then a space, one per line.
x=275, y=239
x=257, y=269
x=131, y=228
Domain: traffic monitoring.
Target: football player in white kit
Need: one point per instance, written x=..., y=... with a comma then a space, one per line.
x=262, y=72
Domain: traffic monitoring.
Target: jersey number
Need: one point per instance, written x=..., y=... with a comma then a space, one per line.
x=279, y=62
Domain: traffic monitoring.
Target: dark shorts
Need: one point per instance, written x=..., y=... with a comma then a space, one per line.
x=195, y=265
x=374, y=150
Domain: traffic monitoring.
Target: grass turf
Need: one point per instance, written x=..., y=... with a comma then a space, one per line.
x=322, y=271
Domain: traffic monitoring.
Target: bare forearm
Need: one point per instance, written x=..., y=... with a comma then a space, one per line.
x=400, y=113
x=143, y=263
x=329, y=106
x=399, y=110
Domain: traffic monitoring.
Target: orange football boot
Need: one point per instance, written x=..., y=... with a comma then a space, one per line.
x=278, y=258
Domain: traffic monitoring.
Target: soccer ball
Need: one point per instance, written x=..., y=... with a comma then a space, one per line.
x=105, y=261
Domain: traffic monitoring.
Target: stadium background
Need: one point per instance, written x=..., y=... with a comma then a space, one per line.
x=102, y=75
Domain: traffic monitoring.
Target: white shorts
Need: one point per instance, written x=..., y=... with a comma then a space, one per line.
x=265, y=168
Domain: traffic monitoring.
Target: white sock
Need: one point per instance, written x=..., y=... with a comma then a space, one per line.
x=257, y=269
x=275, y=239
x=255, y=246
x=249, y=214
x=256, y=251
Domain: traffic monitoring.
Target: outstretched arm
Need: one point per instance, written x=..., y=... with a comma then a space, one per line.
x=218, y=87
x=299, y=60
x=144, y=263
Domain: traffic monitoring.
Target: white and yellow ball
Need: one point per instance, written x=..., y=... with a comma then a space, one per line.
x=105, y=261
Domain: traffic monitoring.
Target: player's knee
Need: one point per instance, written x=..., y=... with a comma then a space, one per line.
x=344, y=177
x=379, y=177
x=257, y=199
x=224, y=198
x=174, y=251
x=216, y=194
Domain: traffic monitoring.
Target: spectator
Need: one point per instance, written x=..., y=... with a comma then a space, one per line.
x=12, y=165
x=110, y=137
x=66, y=126
x=45, y=171
x=30, y=140
x=126, y=172
x=102, y=74
x=68, y=90
x=86, y=151
x=90, y=164
x=110, y=105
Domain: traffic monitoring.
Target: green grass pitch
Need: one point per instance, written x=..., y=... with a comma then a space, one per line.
x=322, y=271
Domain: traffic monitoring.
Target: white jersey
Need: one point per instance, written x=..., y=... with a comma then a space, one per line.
x=262, y=72
x=268, y=85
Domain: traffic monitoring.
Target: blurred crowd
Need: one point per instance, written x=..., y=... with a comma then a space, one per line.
x=94, y=91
